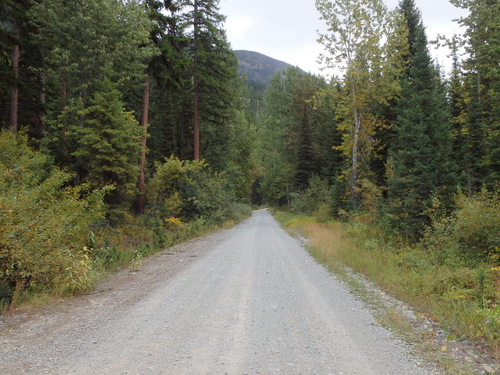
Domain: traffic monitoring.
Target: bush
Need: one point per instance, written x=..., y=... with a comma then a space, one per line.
x=477, y=225
x=188, y=190
x=315, y=200
x=472, y=230
x=44, y=224
x=163, y=190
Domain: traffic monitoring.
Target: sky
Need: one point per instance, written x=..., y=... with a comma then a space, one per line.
x=286, y=30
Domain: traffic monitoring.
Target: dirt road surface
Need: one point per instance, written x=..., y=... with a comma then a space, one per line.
x=248, y=300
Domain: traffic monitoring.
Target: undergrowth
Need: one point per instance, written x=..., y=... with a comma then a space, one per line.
x=113, y=247
x=463, y=296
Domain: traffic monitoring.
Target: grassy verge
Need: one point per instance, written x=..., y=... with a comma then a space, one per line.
x=464, y=300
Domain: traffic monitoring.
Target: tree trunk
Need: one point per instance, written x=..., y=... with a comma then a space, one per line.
x=196, y=87
x=196, y=118
x=64, y=99
x=355, y=151
x=43, y=80
x=142, y=162
x=14, y=91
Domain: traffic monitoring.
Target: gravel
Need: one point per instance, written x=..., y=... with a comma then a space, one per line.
x=248, y=300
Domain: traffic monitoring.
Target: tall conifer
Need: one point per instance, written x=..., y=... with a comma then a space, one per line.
x=420, y=165
x=482, y=91
x=215, y=82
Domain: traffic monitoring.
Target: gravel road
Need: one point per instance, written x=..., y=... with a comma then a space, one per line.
x=248, y=300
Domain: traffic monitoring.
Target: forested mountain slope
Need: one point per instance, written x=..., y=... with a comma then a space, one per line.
x=258, y=67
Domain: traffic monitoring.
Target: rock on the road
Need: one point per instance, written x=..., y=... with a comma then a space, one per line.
x=249, y=300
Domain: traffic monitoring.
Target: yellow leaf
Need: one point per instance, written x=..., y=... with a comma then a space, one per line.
x=444, y=348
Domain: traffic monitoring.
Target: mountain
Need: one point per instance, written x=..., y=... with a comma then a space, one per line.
x=257, y=67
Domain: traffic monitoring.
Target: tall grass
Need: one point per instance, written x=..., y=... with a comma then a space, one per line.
x=464, y=298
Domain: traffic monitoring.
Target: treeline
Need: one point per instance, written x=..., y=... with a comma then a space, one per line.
x=392, y=169
x=114, y=114
x=390, y=139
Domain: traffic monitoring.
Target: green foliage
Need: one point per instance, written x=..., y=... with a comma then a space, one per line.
x=163, y=190
x=480, y=109
x=15, y=30
x=80, y=274
x=315, y=200
x=207, y=195
x=366, y=43
x=189, y=190
x=44, y=224
x=241, y=163
x=296, y=135
x=85, y=41
x=472, y=230
x=420, y=166
x=108, y=149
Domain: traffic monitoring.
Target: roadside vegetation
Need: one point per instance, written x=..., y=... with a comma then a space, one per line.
x=391, y=168
x=451, y=275
x=123, y=131
x=126, y=128
x=55, y=238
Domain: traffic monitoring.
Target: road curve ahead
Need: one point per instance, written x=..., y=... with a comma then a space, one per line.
x=255, y=303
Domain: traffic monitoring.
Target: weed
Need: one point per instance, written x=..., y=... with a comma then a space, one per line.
x=463, y=297
x=136, y=262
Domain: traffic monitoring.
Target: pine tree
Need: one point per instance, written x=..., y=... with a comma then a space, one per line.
x=216, y=83
x=109, y=146
x=297, y=132
x=166, y=36
x=93, y=49
x=482, y=90
x=420, y=166
x=303, y=87
x=19, y=86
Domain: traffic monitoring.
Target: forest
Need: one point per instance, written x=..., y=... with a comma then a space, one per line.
x=126, y=127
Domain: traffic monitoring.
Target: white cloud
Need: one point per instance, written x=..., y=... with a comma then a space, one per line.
x=238, y=27
x=286, y=29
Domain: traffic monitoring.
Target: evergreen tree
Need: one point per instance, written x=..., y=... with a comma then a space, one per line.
x=109, y=146
x=303, y=89
x=93, y=49
x=481, y=109
x=294, y=147
x=19, y=86
x=420, y=165
x=275, y=151
x=164, y=66
x=216, y=84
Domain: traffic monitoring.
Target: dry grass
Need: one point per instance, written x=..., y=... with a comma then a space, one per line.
x=451, y=295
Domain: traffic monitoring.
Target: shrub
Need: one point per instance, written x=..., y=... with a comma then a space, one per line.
x=44, y=224
x=238, y=211
x=189, y=190
x=472, y=230
x=163, y=190
x=314, y=200
x=477, y=225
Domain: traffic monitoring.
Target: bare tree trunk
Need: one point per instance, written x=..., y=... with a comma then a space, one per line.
x=355, y=151
x=196, y=87
x=43, y=80
x=142, y=162
x=64, y=130
x=196, y=120
x=14, y=91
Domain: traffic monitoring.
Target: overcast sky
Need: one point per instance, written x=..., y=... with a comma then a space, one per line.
x=287, y=29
